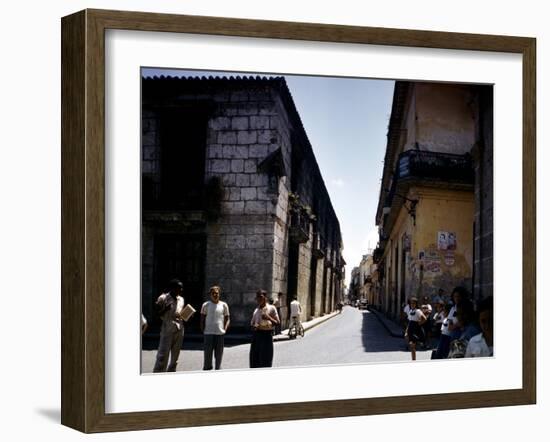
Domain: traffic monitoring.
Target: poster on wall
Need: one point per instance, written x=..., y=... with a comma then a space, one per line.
x=442, y=240
x=446, y=240
x=449, y=258
x=451, y=241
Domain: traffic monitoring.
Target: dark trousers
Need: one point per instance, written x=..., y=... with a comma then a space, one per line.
x=213, y=344
x=443, y=347
x=261, y=349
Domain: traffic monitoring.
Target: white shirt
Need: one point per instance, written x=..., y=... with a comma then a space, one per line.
x=171, y=319
x=214, y=317
x=407, y=309
x=439, y=317
x=426, y=309
x=259, y=322
x=295, y=308
x=415, y=314
x=477, y=347
x=451, y=319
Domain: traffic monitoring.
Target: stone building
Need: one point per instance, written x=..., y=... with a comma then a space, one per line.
x=435, y=207
x=233, y=196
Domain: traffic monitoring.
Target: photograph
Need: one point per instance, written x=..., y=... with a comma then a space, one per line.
x=301, y=220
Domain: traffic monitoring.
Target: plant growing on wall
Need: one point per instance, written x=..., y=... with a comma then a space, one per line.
x=297, y=206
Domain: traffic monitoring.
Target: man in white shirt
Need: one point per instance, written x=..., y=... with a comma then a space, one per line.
x=295, y=312
x=214, y=325
x=170, y=306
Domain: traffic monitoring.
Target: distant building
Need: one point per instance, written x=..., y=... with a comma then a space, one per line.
x=435, y=207
x=232, y=195
x=363, y=286
x=354, y=286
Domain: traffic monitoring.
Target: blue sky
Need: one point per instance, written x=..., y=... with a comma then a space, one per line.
x=346, y=120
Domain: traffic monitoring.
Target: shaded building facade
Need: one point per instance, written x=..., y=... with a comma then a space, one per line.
x=232, y=195
x=435, y=207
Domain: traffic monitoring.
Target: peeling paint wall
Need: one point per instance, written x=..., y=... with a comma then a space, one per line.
x=440, y=118
x=416, y=264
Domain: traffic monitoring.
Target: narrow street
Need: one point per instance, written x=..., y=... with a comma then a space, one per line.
x=354, y=336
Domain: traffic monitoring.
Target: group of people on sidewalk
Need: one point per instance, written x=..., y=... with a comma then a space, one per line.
x=461, y=328
x=214, y=323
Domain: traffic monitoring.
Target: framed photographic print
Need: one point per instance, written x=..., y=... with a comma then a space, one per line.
x=309, y=220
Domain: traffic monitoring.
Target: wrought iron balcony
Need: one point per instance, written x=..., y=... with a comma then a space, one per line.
x=435, y=166
x=432, y=168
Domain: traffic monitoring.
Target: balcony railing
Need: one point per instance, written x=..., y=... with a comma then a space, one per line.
x=435, y=165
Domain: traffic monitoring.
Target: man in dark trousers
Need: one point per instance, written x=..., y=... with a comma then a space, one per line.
x=214, y=325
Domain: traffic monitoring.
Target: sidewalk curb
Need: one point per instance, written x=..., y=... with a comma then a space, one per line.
x=247, y=337
x=283, y=336
x=384, y=321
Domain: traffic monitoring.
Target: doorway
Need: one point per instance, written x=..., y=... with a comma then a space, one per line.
x=182, y=257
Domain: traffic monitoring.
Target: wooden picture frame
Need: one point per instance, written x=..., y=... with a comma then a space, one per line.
x=83, y=216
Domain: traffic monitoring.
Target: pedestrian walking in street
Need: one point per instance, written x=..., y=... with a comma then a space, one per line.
x=214, y=324
x=415, y=332
x=295, y=313
x=170, y=307
x=263, y=321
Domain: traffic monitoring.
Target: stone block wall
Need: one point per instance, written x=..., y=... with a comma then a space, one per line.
x=247, y=241
x=304, y=276
x=318, y=308
x=483, y=233
x=245, y=246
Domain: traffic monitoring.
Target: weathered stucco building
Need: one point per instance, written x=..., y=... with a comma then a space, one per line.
x=435, y=206
x=362, y=285
x=233, y=196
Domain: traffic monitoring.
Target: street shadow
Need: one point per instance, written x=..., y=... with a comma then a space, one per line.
x=376, y=338
x=194, y=342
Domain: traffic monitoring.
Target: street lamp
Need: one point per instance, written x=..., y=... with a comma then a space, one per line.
x=411, y=208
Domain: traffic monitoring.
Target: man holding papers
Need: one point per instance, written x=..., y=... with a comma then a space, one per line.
x=173, y=313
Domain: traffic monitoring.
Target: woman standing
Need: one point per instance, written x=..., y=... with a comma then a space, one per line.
x=414, y=332
x=263, y=322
